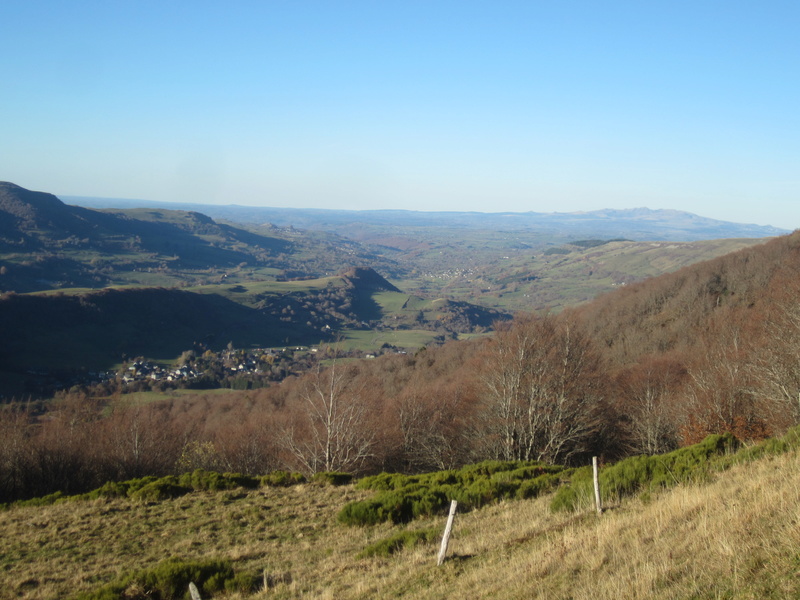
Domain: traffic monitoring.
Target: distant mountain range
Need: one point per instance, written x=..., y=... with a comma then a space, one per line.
x=639, y=224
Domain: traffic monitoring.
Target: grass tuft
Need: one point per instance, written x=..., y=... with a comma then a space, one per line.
x=397, y=541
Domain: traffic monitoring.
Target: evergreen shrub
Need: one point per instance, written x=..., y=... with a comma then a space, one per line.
x=332, y=478
x=161, y=489
x=169, y=580
x=402, y=498
x=645, y=473
x=282, y=479
x=200, y=479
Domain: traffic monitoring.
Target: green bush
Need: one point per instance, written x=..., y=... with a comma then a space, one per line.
x=526, y=472
x=480, y=492
x=244, y=583
x=567, y=498
x=366, y=512
x=41, y=501
x=111, y=489
x=332, y=478
x=402, y=498
x=200, y=479
x=491, y=467
x=134, y=485
x=396, y=506
x=282, y=479
x=161, y=489
x=117, y=489
x=441, y=478
x=533, y=488
x=170, y=580
x=576, y=485
x=645, y=473
x=769, y=447
x=386, y=481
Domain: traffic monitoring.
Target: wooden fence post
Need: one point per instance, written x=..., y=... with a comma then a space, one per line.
x=596, y=474
x=193, y=591
x=447, y=529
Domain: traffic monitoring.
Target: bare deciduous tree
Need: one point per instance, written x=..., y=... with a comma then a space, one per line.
x=721, y=394
x=777, y=366
x=648, y=391
x=330, y=431
x=433, y=427
x=142, y=440
x=543, y=389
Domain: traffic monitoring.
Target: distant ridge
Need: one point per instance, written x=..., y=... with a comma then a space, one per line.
x=639, y=224
x=27, y=205
x=24, y=214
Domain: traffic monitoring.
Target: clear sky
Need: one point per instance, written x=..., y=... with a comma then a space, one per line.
x=541, y=105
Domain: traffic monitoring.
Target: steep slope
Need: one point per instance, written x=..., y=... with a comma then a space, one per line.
x=674, y=311
x=48, y=244
x=95, y=330
x=56, y=333
x=367, y=279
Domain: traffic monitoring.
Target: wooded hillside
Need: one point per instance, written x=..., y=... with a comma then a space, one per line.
x=710, y=349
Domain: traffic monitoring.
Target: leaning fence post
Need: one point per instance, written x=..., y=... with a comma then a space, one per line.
x=194, y=592
x=447, y=529
x=596, y=474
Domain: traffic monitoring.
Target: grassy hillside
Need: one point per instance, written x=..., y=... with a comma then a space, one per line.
x=731, y=534
x=525, y=274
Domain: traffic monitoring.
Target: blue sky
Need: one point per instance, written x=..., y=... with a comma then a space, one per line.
x=491, y=106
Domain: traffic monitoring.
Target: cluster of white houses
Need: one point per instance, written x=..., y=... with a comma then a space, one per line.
x=141, y=370
x=256, y=362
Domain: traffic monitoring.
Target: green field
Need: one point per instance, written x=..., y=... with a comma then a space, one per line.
x=367, y=341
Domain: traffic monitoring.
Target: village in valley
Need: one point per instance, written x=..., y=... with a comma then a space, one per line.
x=197, y=369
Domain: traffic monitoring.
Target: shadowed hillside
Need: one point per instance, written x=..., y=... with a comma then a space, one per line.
x=96, y=330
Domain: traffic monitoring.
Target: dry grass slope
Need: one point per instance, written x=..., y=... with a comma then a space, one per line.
x=737, y=536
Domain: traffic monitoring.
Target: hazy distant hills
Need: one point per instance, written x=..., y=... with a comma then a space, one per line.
x=49, y=245
x=640, y=224
x=40, y=221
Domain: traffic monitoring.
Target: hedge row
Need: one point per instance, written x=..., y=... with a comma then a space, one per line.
x=154, y=489
x=169, y=580
x=645, y=474
x=402, y=498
